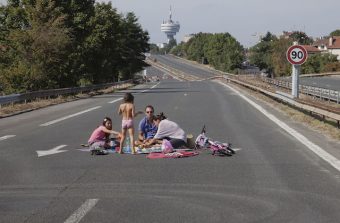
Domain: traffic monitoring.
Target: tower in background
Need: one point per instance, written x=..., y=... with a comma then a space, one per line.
x=170, y=28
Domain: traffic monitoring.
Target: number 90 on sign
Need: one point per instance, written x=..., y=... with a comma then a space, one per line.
x=296, y=55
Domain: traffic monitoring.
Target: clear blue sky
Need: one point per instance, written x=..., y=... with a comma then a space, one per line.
x=241, y=18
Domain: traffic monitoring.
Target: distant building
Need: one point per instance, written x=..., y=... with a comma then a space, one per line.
x=286, y=34
x=311, y=49
x=161, y=45
x=329, y=44
x=186, y=38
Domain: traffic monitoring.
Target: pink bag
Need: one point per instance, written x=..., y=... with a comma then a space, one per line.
x=166, y=146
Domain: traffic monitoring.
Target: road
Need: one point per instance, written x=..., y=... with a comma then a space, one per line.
x=328, y=82
x=184, y=66
x=274, y=177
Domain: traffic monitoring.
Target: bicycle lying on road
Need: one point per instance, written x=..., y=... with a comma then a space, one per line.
x=217, y=148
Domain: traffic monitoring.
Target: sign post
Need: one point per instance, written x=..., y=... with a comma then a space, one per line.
x=296, y=55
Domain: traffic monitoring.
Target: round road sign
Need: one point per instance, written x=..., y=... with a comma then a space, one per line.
x=296, y=55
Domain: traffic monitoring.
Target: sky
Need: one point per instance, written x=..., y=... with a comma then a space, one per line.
x=245, y=20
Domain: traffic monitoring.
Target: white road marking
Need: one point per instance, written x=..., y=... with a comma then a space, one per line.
x=69, y=116
x=155, y=85
x=53, y=151
x=6, y=137
x=82, y=211
x=151, y=87
x=333, y=161
x=118, y=99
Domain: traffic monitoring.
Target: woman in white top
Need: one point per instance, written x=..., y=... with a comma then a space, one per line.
x=168, y=130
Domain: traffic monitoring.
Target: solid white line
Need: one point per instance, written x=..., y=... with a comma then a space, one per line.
x=118, y=99
x=82, y=211
x=69, y=116
x=310, y=145
x=6, y=137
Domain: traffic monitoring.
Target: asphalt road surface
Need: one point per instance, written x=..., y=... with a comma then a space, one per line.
x=328, y=82
x=184, y=66
x=274, y=177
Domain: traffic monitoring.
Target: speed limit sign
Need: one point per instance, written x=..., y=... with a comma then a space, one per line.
x=296, y=54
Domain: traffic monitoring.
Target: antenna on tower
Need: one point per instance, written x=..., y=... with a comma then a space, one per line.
x=170, y=14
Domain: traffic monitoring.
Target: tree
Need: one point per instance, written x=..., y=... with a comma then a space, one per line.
x=320, y=63
x=281, y=67
x=335, y=33
x=134, y=44
x=261, y=53
x=301, y=38
x=154, y=48
x=224, y=52
x=195, y=49
x=78, y=14
x=102, y=48
x=36, y=50
x=221, y=50
x=172, y=44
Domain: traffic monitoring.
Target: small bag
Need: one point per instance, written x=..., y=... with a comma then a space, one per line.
x=166, y=146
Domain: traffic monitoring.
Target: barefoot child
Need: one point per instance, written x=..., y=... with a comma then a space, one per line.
x=127, y=110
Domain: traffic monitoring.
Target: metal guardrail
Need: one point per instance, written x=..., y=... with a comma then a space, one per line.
x=322, y=93
x=13, y=98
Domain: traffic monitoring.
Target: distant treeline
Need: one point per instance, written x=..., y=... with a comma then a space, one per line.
x=220, y=50
x=62, y=43
x=225, y=53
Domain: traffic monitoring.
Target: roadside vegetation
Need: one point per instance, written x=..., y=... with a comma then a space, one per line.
x=223, y=52
x=46, y=44
x=270, y=55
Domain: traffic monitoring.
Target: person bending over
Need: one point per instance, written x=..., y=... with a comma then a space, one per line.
x=168, y=130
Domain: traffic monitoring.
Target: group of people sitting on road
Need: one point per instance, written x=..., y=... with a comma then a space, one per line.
x=152, y=129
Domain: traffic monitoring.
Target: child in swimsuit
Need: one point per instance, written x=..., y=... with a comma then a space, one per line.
x=127, y=110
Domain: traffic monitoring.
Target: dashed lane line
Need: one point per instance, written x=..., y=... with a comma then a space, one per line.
x=69, y=116
x=151, y=87
x=118, y=99
x=6, y=137
x=82, y=211
x=82, y=112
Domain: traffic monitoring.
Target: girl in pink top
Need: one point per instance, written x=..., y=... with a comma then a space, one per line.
x=100, y=137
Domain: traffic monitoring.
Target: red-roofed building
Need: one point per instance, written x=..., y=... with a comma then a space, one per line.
x=311, y=49
x=330, y=45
